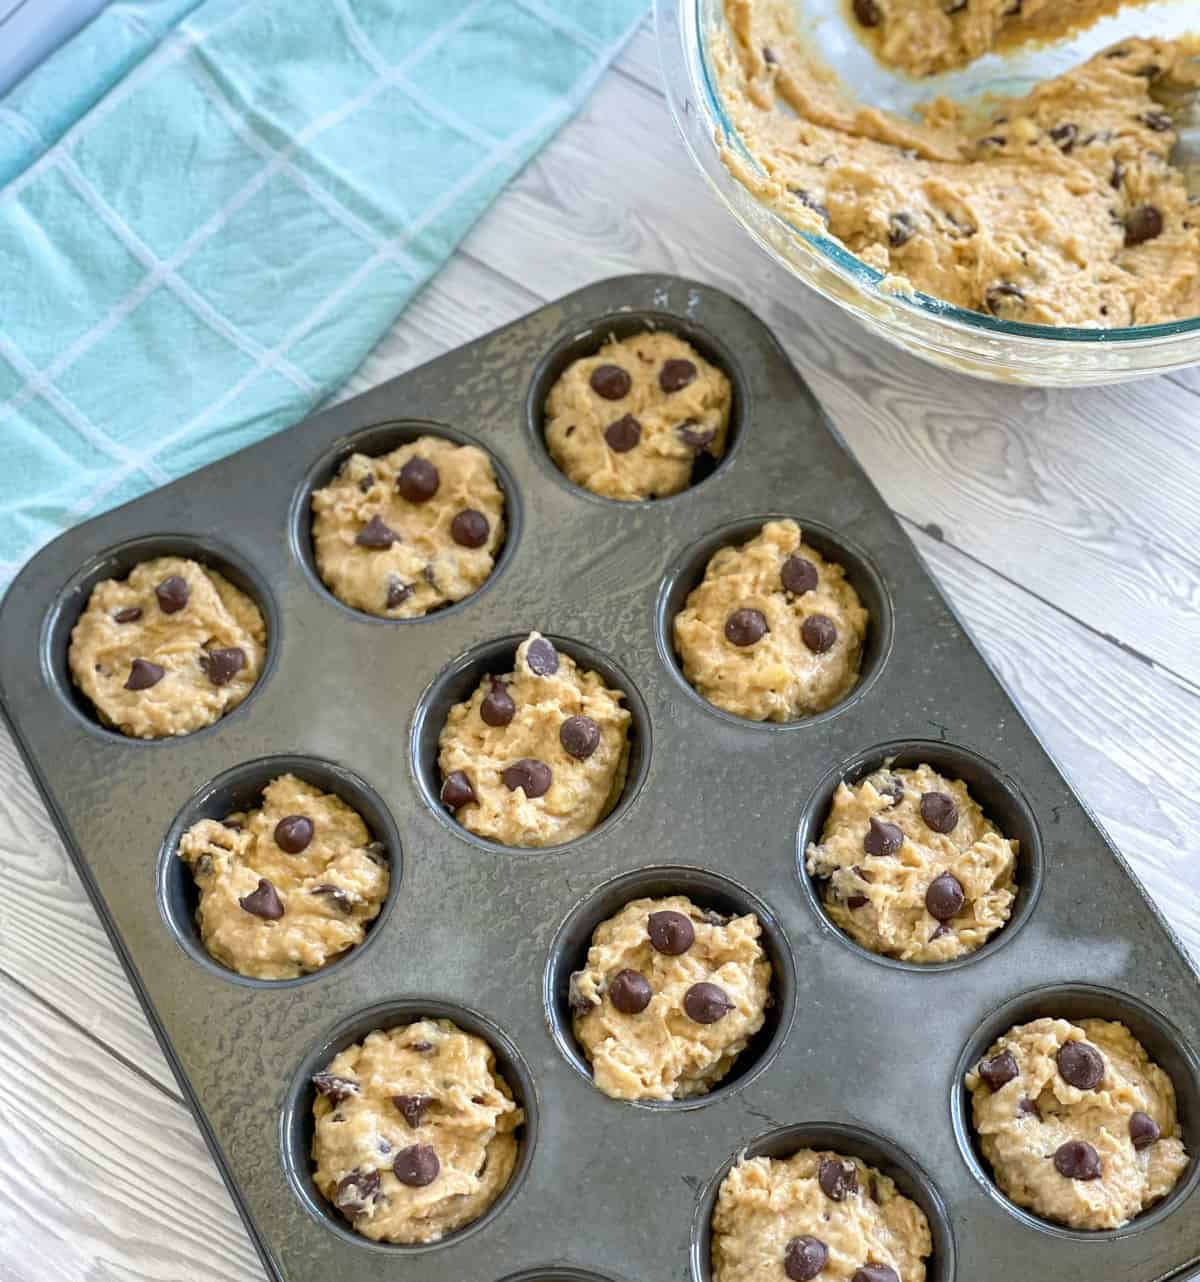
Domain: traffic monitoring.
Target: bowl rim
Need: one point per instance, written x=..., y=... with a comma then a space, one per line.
x=685, y=53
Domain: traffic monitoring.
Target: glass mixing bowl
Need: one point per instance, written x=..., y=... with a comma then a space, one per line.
x=1006, y=351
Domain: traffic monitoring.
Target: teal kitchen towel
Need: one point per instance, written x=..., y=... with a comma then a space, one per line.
x=210, y=212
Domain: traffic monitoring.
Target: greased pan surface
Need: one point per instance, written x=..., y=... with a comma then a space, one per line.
x=856, y=1050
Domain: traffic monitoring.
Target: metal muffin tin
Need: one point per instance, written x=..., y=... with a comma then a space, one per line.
x=859, y=1053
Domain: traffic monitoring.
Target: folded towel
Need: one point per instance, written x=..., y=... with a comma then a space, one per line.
x=212, y=211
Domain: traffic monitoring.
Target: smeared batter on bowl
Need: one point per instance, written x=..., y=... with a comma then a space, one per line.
x=289, y=886
x=816, y=1215
x=536, y=756
x=669, y=998
x=410, y=531
x=774, y=632
x=633, y=421
x=415, y=1131
x=1061, y=208
x=168, y=650
x=913, y=868
x=1078, y=1123
x=924, y=37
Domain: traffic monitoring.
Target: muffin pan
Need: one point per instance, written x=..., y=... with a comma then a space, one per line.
x=857, y=1053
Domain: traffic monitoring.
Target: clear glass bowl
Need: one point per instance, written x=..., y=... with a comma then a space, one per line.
x=951, y=336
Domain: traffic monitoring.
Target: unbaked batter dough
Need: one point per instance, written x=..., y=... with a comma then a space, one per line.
x=924, y=37
x=1059, y=208
x=816, y=1215
x=537, y=756
x=632, y=421
x=415, y=1131
x=288, y=887
x=669, y=1024
x=775, y=631
x=168, y=650
x=410, y=531
x=912, y=866
x=1077, y=1122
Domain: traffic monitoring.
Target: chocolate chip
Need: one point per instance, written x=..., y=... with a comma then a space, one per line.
x=768, y=56
x=630, y=992
x=470, y=528
x=416, y=1166
x=623, y=434
x=867, y=12
x=902, y=227
x=376, y=534
x=418, y=480
x=579, y=1004
x=1077, y=1160
x=999, y=1070
x=938, y=931
x=1001, y=296
x=809, y=201
x=944, y=897
x=421, y=1048
x=412, y=1107
x=676, y=374
x=745, y=627
x=799, y=575
x=670, y=933
x=1143, y=223
x=1027, y=1107
x=127, y=614
x=1159, y=121
x=231, y=824
x=875, y=1273
x=356, y=1191
x=204, y=866
x=457, y=791
x=706, y=1003
x=882, y=838
x=293, y=833
x=1118, y=175
x=1080, y=1065
x=818, y=632
x=838, y=1178
x=397, y=592
x=366, y=481
x=222, y=666
x=172, y=593
x=497, y=707
x=529, y=774
x=888, y=785
x=856, y=902
x=579, y=736
x=610, y=381
x=1143, y=1130
x=804, y=1257
x=336, y=895
x=263, y=902
x=143, y=674
x=695, y=436
x=939, y=811
x=1064, y=136
x=333, y=1087
x=542, y=658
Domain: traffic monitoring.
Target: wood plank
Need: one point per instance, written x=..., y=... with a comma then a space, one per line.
x=102, y=1176
x=1106, y=475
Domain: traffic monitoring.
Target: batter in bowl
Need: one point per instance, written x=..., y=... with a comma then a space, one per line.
x=1077, y=1121
x=1059, y=208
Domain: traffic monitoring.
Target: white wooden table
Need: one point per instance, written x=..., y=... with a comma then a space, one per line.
x=1064, y=527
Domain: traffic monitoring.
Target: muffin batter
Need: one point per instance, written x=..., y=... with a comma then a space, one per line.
x=912, y=867
x=537, y=756
x=774, y=632
x=669, y=998
x=633, y=421
x=415, y=1131
x=1059, y=209
x=1077, y=1122
x=410, y=531
x=923, y=37
x=289, y=887
x=168, y=650
x=816, y=1215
